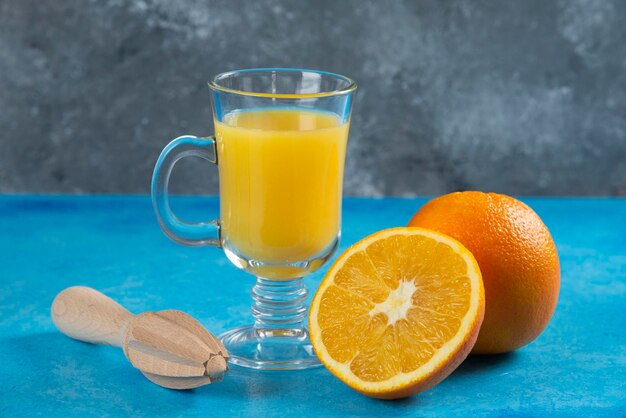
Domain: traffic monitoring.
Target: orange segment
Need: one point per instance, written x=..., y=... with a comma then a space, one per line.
x=398, y=312
x=360, y=276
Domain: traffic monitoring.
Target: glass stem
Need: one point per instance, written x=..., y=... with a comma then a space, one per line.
x=279, y=304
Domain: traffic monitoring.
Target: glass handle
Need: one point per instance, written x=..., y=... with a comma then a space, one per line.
x=186, y=233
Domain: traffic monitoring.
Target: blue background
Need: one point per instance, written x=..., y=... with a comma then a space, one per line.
x=575, y=368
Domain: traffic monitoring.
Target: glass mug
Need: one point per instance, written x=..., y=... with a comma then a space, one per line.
x=280, y=144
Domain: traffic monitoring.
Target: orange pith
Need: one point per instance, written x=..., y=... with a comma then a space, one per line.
x=397, y=312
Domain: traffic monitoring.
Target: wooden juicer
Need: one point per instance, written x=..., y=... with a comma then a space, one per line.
x=169, y=347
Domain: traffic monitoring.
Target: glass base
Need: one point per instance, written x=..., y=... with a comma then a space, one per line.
x=270, y=348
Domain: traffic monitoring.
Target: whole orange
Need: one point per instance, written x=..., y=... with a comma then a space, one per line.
x=517, y=258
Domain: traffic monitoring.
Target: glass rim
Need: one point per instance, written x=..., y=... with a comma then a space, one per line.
x=213, y=84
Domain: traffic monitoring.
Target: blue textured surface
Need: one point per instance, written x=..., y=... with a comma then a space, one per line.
x=576, y=368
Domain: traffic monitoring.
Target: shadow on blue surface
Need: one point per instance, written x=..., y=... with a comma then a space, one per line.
x=267, y=385
x=483, y=363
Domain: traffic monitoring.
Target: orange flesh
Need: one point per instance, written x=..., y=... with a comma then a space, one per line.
x=393, y=305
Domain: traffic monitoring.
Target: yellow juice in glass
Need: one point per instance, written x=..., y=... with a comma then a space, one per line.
x=281, y=174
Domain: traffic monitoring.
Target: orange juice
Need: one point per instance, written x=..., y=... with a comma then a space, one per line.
x=281, y=174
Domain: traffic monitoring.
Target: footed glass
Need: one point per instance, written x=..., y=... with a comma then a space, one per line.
x=280, y=144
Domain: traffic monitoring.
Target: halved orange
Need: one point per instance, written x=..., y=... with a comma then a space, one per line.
x=398, y=312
